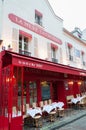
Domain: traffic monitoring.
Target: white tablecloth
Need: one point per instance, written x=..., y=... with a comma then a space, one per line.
x=76, y=100
x=48, y=108
x=33, y=112
x=54, y=105
x=58, y=104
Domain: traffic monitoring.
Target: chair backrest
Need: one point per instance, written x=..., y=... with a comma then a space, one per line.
x=34, y=104
x=41, y=104
x=45, y=102
x=27, y=107
x=50, y=101
x=69, y=97
x=77, y=95
x=24, y=109
x=14, y=111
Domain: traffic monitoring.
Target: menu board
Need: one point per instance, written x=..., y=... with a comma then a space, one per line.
x=45, y=92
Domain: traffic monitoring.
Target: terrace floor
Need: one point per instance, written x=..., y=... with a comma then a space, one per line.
x=70, y=115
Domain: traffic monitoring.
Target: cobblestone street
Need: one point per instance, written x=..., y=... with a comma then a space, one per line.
x=79, y=124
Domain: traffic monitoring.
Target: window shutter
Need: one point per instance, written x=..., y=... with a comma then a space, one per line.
x=35, y=47
x=15, y=39
x=49, y=51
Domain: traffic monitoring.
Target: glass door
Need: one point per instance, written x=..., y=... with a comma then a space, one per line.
x=17, y=98
x=33, y=92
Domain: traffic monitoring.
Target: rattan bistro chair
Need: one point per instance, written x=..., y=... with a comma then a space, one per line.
x=82, y=103
x=69, y=103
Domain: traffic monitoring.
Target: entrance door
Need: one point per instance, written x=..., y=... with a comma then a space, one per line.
x=17, y=107
x=54, y=91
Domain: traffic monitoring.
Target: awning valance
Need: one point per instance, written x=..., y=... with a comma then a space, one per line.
x=21, y=60
x=38, y=13
x=25, y=34
x=54, y=46
x=69, y=45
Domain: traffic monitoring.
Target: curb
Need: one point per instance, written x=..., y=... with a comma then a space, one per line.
x=64, y=122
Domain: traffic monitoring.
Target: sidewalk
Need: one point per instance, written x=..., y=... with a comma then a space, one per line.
x=68, y=118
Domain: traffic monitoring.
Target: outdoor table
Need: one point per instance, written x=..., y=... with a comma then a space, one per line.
x=74, y=100
x=48, y=108
x=58, y=104
x=32, y=112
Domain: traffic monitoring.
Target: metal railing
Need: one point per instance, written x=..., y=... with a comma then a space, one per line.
x=54, y=60
x=23, y=52
x=70, y=58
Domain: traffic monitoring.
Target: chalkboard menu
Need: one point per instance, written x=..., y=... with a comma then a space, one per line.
x=45, y=92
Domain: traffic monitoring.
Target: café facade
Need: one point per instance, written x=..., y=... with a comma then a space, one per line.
x=24, y=80
x=34, y=60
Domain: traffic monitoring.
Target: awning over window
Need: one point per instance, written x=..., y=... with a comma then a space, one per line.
x=82, y=52
x=69, y=45
x=54, y=46
x=38, y=13
x=25, y=34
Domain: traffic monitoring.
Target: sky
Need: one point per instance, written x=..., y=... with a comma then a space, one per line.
x=73, y=13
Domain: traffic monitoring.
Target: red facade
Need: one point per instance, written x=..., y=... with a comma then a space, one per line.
x=26, y=79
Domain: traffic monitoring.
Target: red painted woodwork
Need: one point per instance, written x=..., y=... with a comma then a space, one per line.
x=76, y=89
x=33, y=28
x=54, y=92
x=39, y=98
x=16, y=123
x=61, y=92
x=1, y=122
x=45, y=65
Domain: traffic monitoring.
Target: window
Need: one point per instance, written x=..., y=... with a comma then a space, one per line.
x=23, y=43
x=33, y=92
x=53, y=53
x=38, y=17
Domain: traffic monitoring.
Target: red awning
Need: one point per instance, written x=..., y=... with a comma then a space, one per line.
x=69, y=45
x=21, y=60
x=38, y=13
x=54, y=46
x=25, y=34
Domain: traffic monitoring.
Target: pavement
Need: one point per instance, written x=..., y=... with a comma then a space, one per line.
x=69, y=117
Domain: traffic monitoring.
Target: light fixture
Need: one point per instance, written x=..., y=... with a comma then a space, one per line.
x=70, y=82
x=79, y=82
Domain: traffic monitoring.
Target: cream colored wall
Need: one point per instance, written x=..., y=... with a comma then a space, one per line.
x=77, y=62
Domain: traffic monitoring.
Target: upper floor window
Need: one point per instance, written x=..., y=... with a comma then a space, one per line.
x=38, y=17
x=54, y=52
x=23, y=43
x=24, y=39
x=70, y=51
x=83, y=58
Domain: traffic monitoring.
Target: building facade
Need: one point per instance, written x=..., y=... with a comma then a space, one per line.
x=40, y=60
